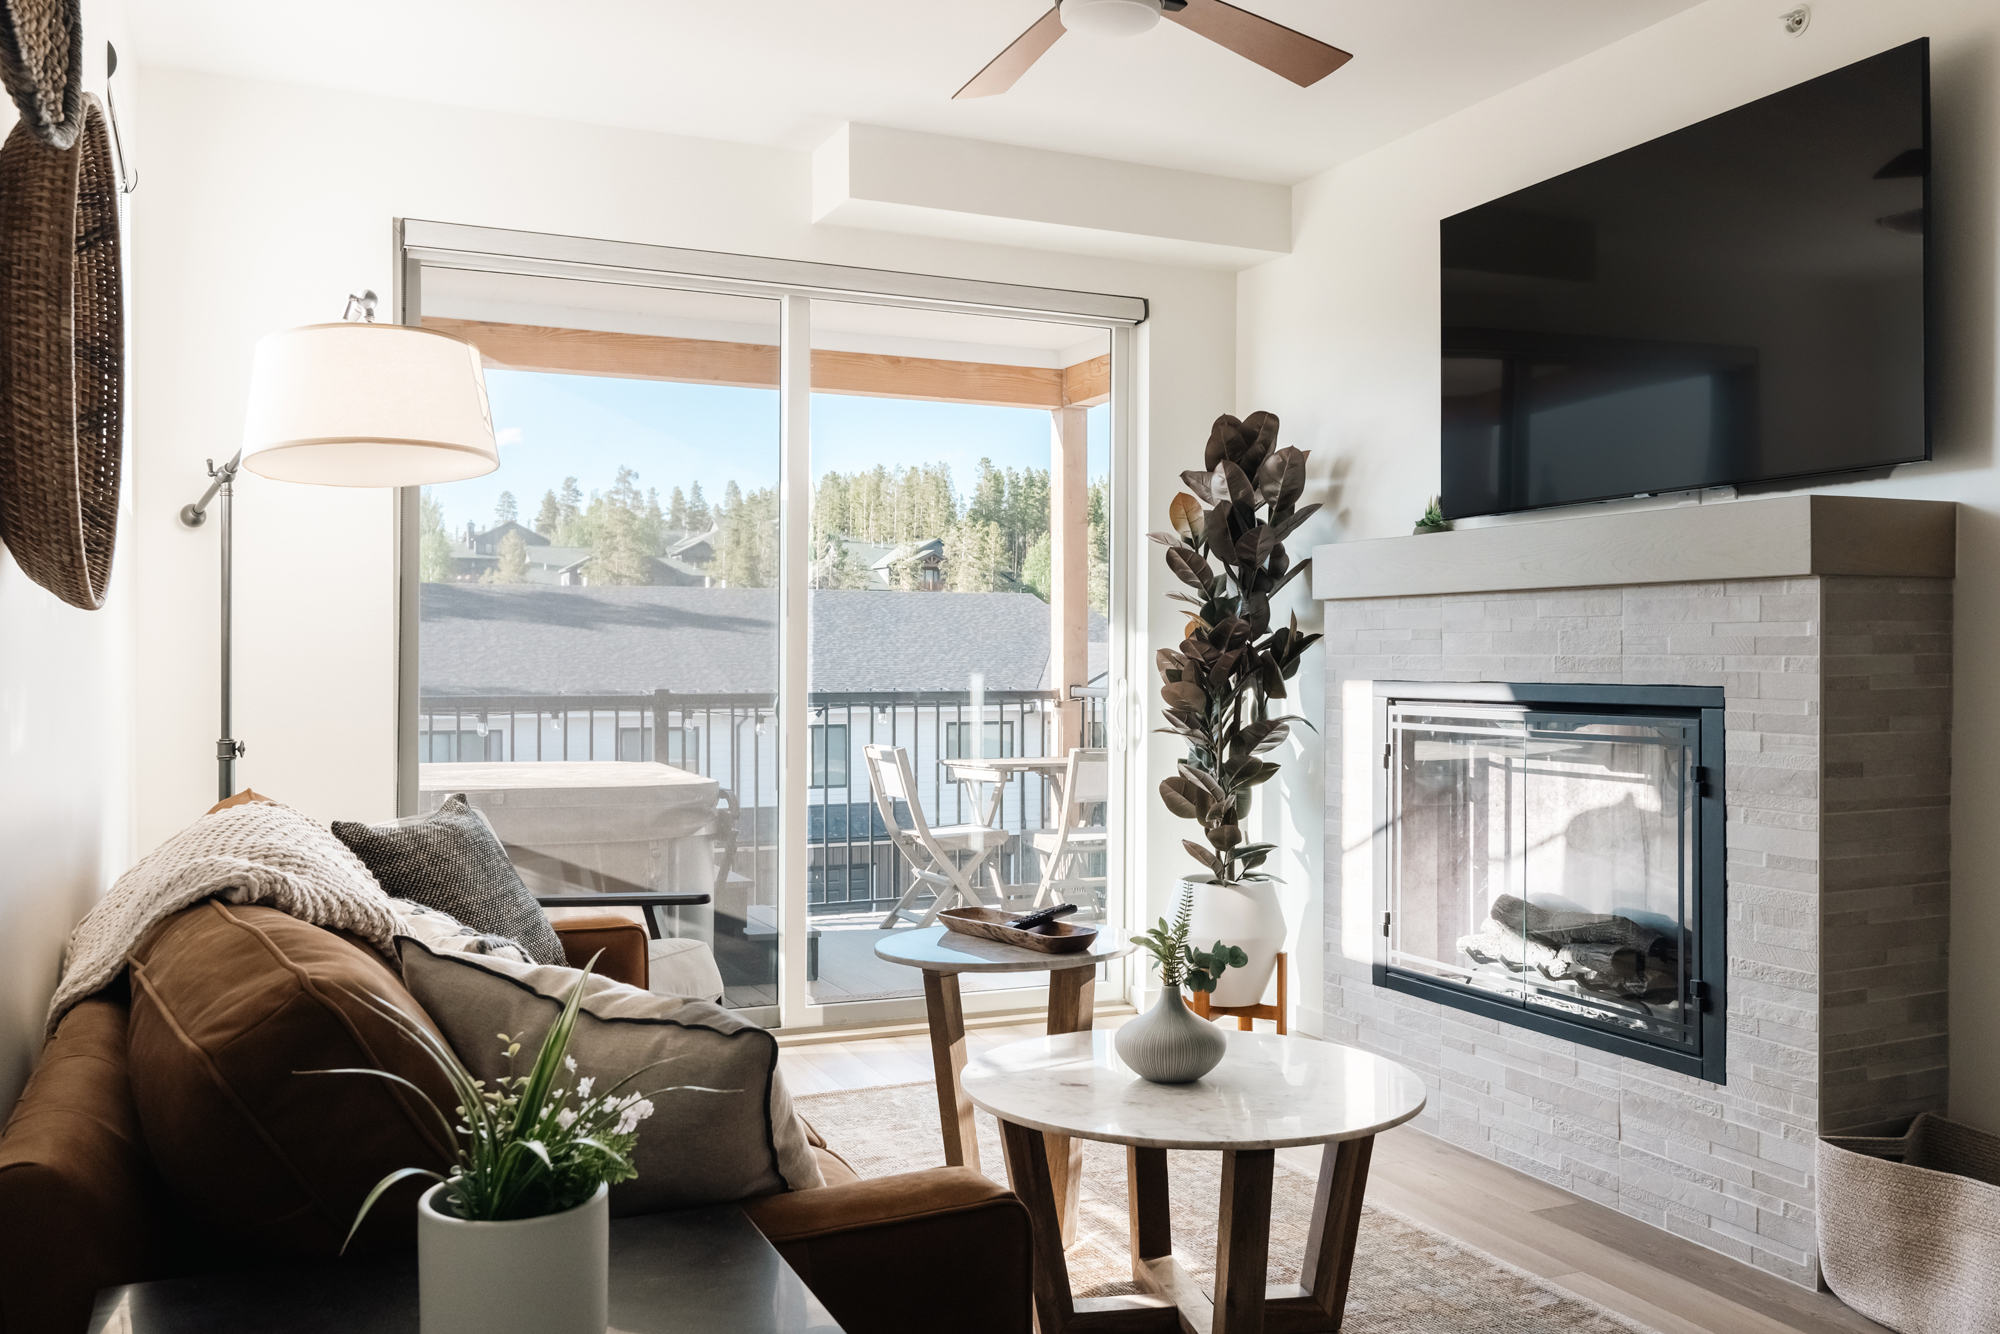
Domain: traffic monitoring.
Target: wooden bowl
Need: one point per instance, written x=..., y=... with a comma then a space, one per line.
x=992, y=924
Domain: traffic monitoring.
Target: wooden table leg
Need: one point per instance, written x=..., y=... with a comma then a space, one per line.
x=1318, y=1303
x=1028, y=1165
x=1072, y=993
x=1243, y=1241
x=947, y=1023
x=1146, y=1194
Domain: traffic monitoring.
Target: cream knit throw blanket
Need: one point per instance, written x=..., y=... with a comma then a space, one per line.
x=262, y=852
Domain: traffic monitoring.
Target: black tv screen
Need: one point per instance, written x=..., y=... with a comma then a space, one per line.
x=1739, y=302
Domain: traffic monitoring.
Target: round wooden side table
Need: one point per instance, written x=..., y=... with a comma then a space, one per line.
x=1270, y=1092
x=943, y=954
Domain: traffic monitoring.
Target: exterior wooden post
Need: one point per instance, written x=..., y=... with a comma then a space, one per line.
x=1069, y=568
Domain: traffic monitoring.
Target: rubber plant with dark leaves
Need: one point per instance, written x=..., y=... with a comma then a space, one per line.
x=1228, y=547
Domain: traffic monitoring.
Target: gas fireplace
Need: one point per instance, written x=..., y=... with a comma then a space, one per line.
x=1552, y=856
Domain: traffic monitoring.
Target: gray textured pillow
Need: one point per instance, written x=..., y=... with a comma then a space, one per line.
x=450, y=860
x=696, y=1148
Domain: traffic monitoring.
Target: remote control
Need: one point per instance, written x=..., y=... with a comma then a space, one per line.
x=1042, y=918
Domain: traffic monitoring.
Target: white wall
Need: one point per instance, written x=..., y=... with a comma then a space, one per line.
x=264, y=204
x=1341, y=339
x=65, y=726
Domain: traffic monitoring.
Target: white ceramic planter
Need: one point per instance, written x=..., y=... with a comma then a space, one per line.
x=1247, y=916
x=529, y=1276
x=1169, y=1044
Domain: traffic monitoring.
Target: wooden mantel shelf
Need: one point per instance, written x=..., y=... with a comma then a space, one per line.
x=1781, y=537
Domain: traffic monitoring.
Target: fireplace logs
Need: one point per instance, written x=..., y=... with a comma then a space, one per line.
x=1598, y=952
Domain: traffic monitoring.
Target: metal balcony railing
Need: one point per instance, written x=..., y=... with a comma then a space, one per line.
x=853, y=867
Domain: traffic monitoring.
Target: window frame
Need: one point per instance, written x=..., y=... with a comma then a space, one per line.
x=421, y=244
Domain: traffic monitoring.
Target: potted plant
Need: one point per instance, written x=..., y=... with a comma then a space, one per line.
x=1432, y=520
x=1168, y=1044
x=516, y=1240
x=1219, y=685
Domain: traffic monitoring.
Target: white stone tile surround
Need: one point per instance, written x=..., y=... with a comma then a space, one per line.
x=1837, y=692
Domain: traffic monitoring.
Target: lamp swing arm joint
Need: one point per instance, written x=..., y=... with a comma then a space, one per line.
x=197, y=514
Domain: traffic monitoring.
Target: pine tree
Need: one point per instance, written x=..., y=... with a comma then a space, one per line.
x=549, y=517
x=1100, y=546
x=624, y=533
x=677, y=512
x=569, y=516
x=1038, y=571
x=746, y=542
x=505, y=511
x=433, y=546
x=513, y=566
x=699, y=518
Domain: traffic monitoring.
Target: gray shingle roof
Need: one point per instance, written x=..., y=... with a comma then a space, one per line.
x=530, y=639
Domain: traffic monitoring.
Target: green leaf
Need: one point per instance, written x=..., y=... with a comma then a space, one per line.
x=381, y=1187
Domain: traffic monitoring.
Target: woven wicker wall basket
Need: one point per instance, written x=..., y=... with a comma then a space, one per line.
x=41, y=63
x=1909, y=1228
x=62, y=359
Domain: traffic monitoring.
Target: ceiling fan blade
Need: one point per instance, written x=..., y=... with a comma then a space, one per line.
x=1001, y=72
x=1302, y=59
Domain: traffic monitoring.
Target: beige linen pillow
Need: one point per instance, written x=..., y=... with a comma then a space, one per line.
x=697, y=1148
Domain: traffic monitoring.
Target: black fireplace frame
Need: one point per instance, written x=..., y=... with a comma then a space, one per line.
x=1709, y=893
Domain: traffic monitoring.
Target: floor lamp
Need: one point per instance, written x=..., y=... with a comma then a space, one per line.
x=349, y=404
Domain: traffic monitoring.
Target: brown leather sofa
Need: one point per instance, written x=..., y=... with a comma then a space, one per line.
x=83, y=1206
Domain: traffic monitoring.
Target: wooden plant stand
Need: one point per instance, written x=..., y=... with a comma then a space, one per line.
x=1243, y=1014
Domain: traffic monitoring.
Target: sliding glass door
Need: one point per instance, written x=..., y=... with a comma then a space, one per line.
x=799, y=605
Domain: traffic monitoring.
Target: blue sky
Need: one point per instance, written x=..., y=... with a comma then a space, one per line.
x=557, y=426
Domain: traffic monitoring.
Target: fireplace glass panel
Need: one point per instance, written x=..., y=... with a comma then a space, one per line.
x=1547, y=859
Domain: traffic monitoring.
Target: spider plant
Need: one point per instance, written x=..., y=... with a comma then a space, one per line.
x=533, y=1144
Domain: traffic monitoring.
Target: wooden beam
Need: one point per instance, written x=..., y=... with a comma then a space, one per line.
x=1087, y=383
x=530, y=347
x=524, y=347
x=1069, y=569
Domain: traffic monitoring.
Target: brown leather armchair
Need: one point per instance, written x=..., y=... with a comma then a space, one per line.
x=82, y=1206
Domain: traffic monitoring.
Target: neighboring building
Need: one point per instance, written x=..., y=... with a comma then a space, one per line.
x=477, y=554
x=532, y=639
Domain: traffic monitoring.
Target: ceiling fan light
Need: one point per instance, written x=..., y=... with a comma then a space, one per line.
x=1110, y=18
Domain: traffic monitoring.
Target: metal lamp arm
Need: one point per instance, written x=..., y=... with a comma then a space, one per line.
x=227, y=749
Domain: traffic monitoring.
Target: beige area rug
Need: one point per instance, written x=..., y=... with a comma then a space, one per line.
x=1408, y=1279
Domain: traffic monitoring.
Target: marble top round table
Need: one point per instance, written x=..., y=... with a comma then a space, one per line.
x=938, y=949
x=1269, y=1092
x=943, y=954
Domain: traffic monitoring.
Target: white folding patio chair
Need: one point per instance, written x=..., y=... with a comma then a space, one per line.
x=933, y=854
x=1086, y=782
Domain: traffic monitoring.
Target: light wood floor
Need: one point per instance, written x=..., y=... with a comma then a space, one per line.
x=1659, y=1280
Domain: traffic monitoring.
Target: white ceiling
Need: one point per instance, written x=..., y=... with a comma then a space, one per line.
x=787, y=72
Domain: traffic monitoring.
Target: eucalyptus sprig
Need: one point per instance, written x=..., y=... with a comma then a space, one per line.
x=1180, y=963
x=533, y=1144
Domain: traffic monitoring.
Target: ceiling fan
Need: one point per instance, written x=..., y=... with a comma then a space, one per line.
x=1302, y=59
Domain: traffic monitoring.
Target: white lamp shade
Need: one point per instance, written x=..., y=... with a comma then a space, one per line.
x=368, y=405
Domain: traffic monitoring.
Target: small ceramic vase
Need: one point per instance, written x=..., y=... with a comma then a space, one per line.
x=1170, y=1044
x=544, y=1275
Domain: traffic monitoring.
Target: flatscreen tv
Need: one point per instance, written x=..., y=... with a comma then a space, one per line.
x=1739, y=302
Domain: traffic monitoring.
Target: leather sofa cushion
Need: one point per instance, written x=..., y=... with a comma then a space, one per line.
x=81, y=1207
x=833, y=1168
x=229, y=1004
